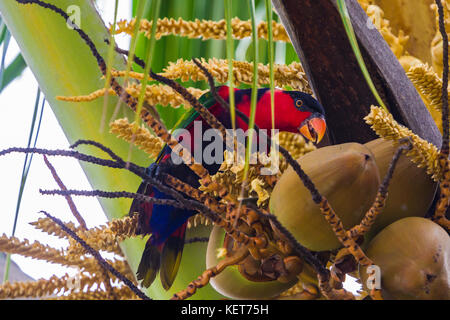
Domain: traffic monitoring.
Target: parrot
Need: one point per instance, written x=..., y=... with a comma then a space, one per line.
x=295, y=111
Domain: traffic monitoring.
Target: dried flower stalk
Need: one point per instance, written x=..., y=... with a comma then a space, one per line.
x=104, y=264
x=443, y=203
x=102, y=241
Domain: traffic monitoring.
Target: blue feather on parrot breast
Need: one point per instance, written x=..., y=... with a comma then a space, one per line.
x=165, y=219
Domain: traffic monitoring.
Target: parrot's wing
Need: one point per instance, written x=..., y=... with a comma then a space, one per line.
x=149, y=265
x=135, y=205
x=171, y=257
x=207, y=100
x=143, y=209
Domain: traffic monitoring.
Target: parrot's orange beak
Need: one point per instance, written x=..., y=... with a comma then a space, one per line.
x=313, y=129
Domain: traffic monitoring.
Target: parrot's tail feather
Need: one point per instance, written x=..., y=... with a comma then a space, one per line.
x=171, y=257
x=149, y=265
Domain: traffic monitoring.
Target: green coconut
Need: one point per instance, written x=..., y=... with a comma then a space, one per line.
x=345, y=174
x=413, y=255
x=231, y=283
x=411, y=190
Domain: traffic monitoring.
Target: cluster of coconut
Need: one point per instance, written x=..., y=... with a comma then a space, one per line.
x=412, y=252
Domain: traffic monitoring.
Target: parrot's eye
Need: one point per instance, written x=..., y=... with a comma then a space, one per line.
x=299, y=103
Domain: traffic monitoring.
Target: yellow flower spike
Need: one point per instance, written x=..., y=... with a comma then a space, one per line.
x=40, y=251
x=291, y=75
x=295, y=144
x=258, y=185
x=91, y=265
x=437, y=43
x=415, y=18
x=106, y=237
x=154, y=94
x=123, y=293
x=140, y=137
x=90, y=97
x=423, y=153
x=204, y=29
x=44, y=288
x=50, y=227
x=36, y=289
x=100, y=240
x=124, y=227
x=35, y=250
x=428, y=83
x=164, y=95
x=398, y=42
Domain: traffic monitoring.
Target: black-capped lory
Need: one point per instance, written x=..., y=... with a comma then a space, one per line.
x=294, y=112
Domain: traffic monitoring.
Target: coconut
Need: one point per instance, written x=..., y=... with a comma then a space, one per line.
x=345, y=174
x=413, y=256
x=232, y=283
x=411, y=190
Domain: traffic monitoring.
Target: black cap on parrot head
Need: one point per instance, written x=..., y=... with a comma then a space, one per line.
x=314, y=127
x=306, y=102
